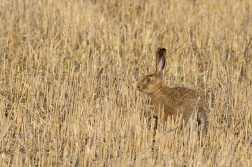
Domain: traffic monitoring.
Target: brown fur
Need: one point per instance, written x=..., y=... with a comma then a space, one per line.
x=172, y=101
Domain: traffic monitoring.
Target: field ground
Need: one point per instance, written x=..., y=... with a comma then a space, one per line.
x=68, y=74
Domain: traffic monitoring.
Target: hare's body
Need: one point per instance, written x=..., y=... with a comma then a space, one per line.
x=172, y=101
x=175, y=101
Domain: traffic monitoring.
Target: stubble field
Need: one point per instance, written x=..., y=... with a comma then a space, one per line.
x=68, y=74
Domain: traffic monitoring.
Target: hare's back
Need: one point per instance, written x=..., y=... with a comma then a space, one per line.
x=184, y=96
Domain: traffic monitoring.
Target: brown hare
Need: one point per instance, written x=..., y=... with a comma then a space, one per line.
x=172, y=101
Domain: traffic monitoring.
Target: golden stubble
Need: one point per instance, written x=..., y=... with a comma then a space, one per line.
x=68, y=71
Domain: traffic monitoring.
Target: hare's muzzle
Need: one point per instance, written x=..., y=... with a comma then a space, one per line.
x=139, y=87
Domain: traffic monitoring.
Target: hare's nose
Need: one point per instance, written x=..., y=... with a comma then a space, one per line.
x=138, y=86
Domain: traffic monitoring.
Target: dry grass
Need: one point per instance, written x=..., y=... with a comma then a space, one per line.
x=69, y=69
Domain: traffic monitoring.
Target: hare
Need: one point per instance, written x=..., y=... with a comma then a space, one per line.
x=172, y=101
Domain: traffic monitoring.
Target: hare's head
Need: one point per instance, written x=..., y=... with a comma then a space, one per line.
x=154, y=82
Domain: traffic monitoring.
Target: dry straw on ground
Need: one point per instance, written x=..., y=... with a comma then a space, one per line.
x=69, y=69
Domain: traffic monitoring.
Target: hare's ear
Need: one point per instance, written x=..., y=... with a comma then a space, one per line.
x=160, y=58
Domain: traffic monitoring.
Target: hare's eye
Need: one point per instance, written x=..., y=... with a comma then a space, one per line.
x=148, y=79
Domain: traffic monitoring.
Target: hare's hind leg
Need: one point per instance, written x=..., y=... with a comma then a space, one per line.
x=203, y=120
x=193, y=121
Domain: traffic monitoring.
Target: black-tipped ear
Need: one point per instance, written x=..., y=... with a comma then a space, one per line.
x=160, y=58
